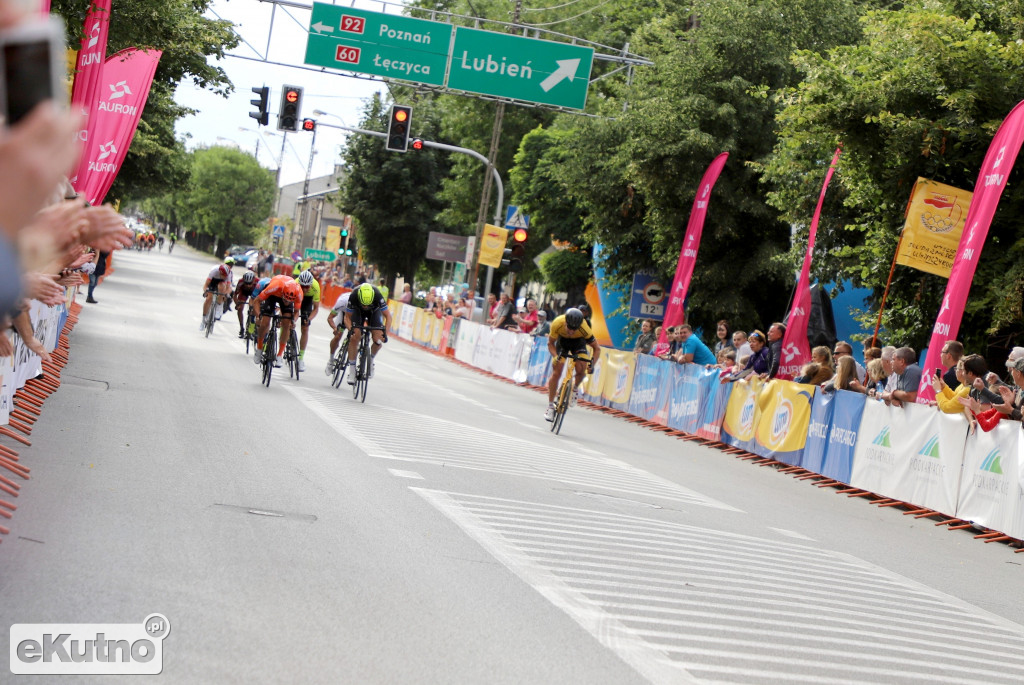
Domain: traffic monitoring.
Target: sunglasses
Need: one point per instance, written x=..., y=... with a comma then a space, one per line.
x=754, y=336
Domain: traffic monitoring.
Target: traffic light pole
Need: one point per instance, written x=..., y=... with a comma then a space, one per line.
x=450, y=148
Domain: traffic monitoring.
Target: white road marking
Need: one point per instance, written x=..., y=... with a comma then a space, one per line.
x=405, y=474
x=484, y=450
x=791, y=534
x=687, y=604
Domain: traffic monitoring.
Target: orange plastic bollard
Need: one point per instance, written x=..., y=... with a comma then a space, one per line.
x=9, y=490
x=18, y=425
x=15, y=436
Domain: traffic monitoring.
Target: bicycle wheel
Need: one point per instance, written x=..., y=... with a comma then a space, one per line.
x=340, y=360
x=210, y=318
x=269, y=346
x=359, y=389
x=292, y=352
x=562, y=405
x=248, y=336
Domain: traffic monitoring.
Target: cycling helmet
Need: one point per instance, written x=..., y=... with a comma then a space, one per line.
x=365, y=294
x=248, y=277
x=305, y=279
x=573, y=319
x=229, y=261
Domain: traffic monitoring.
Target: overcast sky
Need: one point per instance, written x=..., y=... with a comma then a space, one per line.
x=220, y=117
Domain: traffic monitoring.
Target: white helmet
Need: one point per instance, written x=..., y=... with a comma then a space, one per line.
x=305, y=278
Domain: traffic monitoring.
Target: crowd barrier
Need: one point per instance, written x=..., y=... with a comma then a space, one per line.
x=913, y=454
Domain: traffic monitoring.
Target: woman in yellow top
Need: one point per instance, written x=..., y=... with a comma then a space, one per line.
x=946, y=399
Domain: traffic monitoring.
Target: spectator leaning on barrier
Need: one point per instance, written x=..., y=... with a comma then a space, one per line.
x=503, y=314
x=992, y=379
x=888, y=352
x=739, y=342
x=952, y=351
x=876, y=377
x=543, y=325
x=776, y=332
x=692, y=349
x=757, y=362
x=908, y=378
x=527, y=320
x=646, y=340
x=947, y=397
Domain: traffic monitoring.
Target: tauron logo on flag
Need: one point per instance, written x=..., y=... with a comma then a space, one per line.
x=107, y=149
x=882, y=438
x=789, y=351
x=931, y=448
x=119, y=90
x=991, y=462
x=94, y=35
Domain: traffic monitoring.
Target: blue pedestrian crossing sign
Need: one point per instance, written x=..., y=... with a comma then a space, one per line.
x=278, y=231
x=515, y=219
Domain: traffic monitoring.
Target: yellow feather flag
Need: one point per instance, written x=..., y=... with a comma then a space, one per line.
x=492, y=245
x=935, y=219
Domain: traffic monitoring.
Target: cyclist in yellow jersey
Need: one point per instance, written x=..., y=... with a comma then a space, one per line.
x=308, y=312
x=569, y=333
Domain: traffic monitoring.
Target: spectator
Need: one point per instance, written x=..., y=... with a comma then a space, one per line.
x=757, y=362
x=951, y=353
x=822, y=356
x=908, y=375
x=462, y=310
x=406, y=296
x=587, y=313
x=543, y=327
x=94, y=277
x=692, y=349
x=490, y=307
x=876, y=377
x=739, y=343
x=947, y=397
x=776, y=332
x=268, y=265
x=807, y=372
x=647, y=338
x=727, y=362
x=1016, y=353
x=672, y=340
x=503, y=314
x=724, y=336
x=845, y=377
x=1013, y=399
x=527, y=319
x=383, y=288
x=843, y=348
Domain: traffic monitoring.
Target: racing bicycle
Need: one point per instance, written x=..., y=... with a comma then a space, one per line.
x=250, y=331
x=211, y=316
x=363, y=361
x=565, y=391
x=269, y=350
x=340, y=359
x=291, y=354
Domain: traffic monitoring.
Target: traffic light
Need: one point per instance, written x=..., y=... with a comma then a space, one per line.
x=513, y=256
x=291, y=105
x=398, y=128
x=260, y=103
x=416, y=144
x=309, y=125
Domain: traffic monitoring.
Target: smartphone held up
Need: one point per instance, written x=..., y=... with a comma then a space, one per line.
x=31, y=67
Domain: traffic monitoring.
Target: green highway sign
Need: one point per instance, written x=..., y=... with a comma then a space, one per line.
x=389, y=45
x=318, y=255
x=520, y=68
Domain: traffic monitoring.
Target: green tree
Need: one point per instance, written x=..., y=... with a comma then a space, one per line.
x=230, y=195
x=921, y=97
x=393, y=196
x=636, y=177
x=187, y=39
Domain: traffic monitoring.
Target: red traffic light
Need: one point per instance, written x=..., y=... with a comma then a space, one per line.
x=308, y=124
x=401, y=114
x=417, y=144
x=520, y=235
x=291, y=95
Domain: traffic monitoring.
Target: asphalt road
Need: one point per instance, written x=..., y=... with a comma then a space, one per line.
x=439, y=533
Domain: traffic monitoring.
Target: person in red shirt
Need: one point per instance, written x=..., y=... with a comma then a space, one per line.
x=528, y=320
x=282, y=291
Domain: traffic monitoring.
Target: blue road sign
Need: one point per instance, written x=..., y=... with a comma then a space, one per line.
x=648, y=296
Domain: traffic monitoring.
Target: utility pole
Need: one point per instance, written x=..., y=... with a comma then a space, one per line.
x=485, y=199
x=305, y=190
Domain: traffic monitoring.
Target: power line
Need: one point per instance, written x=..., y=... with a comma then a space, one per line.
x=545, y=9
x=562, y=21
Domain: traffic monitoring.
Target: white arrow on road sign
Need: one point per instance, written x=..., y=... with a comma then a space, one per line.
x=566, y=70
x=322, y=27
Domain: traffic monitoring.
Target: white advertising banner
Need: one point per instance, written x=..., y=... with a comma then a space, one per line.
x=990, y=487
x=465, y=344
x=899, y=454
x=406, y=318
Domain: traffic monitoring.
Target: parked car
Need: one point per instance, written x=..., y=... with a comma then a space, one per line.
x=238, y=252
